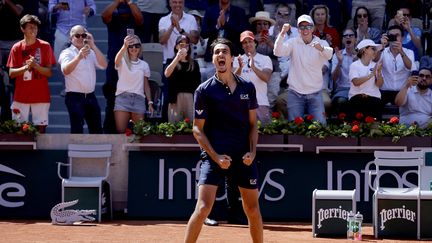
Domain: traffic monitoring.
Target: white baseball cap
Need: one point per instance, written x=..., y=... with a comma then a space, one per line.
x=305, y=18
x=365, y=43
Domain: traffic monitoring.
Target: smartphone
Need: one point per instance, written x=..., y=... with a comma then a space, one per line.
x=392, y=38
x=264, y=33
x=65, y=5
x=400, y=14
x=130, y=32
x=415, y=73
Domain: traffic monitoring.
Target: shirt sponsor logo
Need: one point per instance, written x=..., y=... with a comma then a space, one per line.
x=199, y=112
x=244, y=96
x=253, y=181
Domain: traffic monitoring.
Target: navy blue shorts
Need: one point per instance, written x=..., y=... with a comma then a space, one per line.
x=240, y=174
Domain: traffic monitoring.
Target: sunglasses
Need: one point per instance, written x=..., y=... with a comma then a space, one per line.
x=348, y=35
x=306, y=27
x=424, y=76
x=83, y=35
x=137, y=45
x=362, y=16
x=283, y=15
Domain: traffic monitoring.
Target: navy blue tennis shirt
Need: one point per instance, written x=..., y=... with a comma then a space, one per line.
x=226, y=114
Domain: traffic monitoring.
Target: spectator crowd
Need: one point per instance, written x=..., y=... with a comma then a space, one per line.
x=303, y=57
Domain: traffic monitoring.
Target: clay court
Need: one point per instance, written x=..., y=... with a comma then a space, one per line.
x=158, y=231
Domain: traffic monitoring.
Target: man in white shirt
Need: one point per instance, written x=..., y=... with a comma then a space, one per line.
x=78, y=63
x=398, y=62
x=174, y=24
x=308, y=54
x=415, y=99
x=256, y=68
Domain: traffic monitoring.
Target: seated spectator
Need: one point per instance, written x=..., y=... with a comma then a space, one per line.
x=133, y=86
x=366, y=79
x=256, y=68
x=411, y=38
x=281, y=67
x=320, y=16
x=398, y=62
x=341, y=62
x=362, y=26
x=376, y=9
x=271, y=6
x=30, y=62
x=415, y=99
x=184, y=77
x=78, y=64
x=199, y=49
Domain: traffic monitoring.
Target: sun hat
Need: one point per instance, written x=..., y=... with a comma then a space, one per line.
x=262, y=15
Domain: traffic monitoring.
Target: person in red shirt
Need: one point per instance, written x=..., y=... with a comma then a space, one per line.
x=320, y=16
x=30, y=62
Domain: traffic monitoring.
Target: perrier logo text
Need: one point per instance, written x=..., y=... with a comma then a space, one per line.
x=396, y=213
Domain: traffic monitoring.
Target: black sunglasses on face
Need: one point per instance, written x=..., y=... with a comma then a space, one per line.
x=83, y=35
x=362, y=15
x=348, y=35
x=137, y=45
x=305, y=27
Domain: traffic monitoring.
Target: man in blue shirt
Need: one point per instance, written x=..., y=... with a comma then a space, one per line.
x=225, y=126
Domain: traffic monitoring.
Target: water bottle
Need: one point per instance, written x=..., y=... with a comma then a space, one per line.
x=350, y=223
x=357, y=229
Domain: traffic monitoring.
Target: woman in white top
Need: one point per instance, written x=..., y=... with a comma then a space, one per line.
x=133, y=86
x=366, y=79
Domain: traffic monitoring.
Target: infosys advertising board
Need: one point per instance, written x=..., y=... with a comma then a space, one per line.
x=29, y=185
x=163, y=185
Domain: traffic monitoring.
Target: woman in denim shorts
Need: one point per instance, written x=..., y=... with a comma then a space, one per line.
x=133, y=87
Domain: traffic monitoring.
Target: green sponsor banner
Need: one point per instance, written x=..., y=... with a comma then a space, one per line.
x=163, y=184
x=29, y=185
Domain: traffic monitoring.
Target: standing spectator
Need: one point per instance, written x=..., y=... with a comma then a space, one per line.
x=366, y=79
x=341, y=62
x=175, y=24
x=225, y=127
x=256, y=68
x=362, y=28
x=30, y=63
x=68, y=14
x=335, y=11
x=133, y=86
x=415, y=99
x=152, y=11
x=223, y=20
x=308, y=54
x=183, y=77
x=376, y=8
x=261, y=24
x=118, y=17
x=320, y=15
x=397, y=61
x=411, y=37
x=78, y=63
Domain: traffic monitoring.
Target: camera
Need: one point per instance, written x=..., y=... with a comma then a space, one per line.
x=392, y=38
